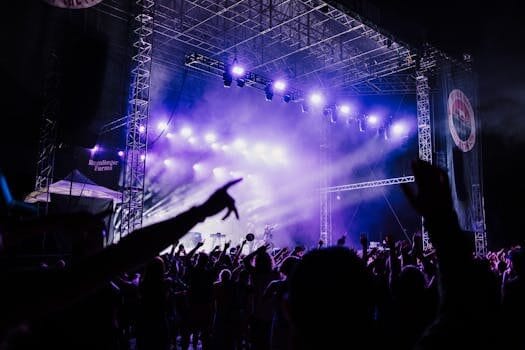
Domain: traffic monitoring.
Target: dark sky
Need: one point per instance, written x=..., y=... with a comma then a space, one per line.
x=493, y=34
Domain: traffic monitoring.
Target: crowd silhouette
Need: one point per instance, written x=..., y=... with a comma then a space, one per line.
x=127, y=296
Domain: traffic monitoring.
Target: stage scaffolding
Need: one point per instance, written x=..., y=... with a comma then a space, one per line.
x=311, y=42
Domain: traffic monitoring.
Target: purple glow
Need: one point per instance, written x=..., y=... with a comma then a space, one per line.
x=239, y=144
x=168, y=162
x=215, y=146
x=186, y=131
x=345, y=109
x=192, y=140
x=120, y=153
x=260, y=148
x=161, y=126
x=210, y=137
x=316, y=98
x=219, y=172
x=142, y=157
x=142, y=129
x=95, y=149
x=169, y=135
x=197, y=167
x=225, y=148
x=398, y=129
x=237, y=70
x=373, y=120
x=279, y=85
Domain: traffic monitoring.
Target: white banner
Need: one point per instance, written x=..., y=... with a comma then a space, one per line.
x=73, y=4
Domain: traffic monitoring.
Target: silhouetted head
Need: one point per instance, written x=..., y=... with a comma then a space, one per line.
x=263, y=262
x=225, y=276
x=330, y=300
x=288, y=265
x=202, y=260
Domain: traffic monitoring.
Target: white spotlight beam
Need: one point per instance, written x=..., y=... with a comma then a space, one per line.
x=369, y=184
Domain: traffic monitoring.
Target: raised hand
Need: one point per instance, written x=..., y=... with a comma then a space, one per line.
x=227, y=244
x=433, y=197
x=221, y=200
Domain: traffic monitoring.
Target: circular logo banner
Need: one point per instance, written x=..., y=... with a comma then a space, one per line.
x=461, y=120
x=73, y=4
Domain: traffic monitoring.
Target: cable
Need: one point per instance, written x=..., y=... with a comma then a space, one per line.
x=177, y=101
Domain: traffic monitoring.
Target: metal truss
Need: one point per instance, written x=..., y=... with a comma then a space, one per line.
x=368, y=184
x=424, y=135
x=48, y=133
x=137, y=121
x=273, y=35
x=480, y=232
x=325, y=204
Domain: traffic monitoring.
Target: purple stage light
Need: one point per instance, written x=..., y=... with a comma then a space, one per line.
x=219, y=172
x=161, y=126
x=197, y=166
x=210, y=137
x=186, y=131
x=225, y=148
x=373, y=120
x=279, y=85
x=215, y=146
x=142, y=157
x=237, y=70
x=192, y=140
x=120, y=153
x=345, y=109
x=95, y=149
x=169, y=135
x=316, y=98
x=142, y=129
x=398, y=129
x=168, y=162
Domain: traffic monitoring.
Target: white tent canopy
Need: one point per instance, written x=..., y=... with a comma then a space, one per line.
x=75, y=184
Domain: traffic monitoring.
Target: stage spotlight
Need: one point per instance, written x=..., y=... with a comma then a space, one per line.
x=142, y=129
x=210, y=137
x=279, y=85
x=169, y=135
x=227, y=79
x=237, y=70
x=316, y=98
x=197, y=167
x=268, y=91
x=344, y=109
x=120, y=153
x=142, y=157
x=186, y=131
x=219, y=172
x=398, y=129
x=192, y=140
x=215, y=146
x=95, y=149
x=167, y=162
x=373, y=120
x=287, y=98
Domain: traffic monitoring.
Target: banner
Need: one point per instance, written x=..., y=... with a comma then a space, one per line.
x=72, y=4
x=457, y=141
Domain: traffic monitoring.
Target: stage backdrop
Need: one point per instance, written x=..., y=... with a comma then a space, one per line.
x=457, y=141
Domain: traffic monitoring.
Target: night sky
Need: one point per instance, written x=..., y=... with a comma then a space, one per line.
x=493, y=34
